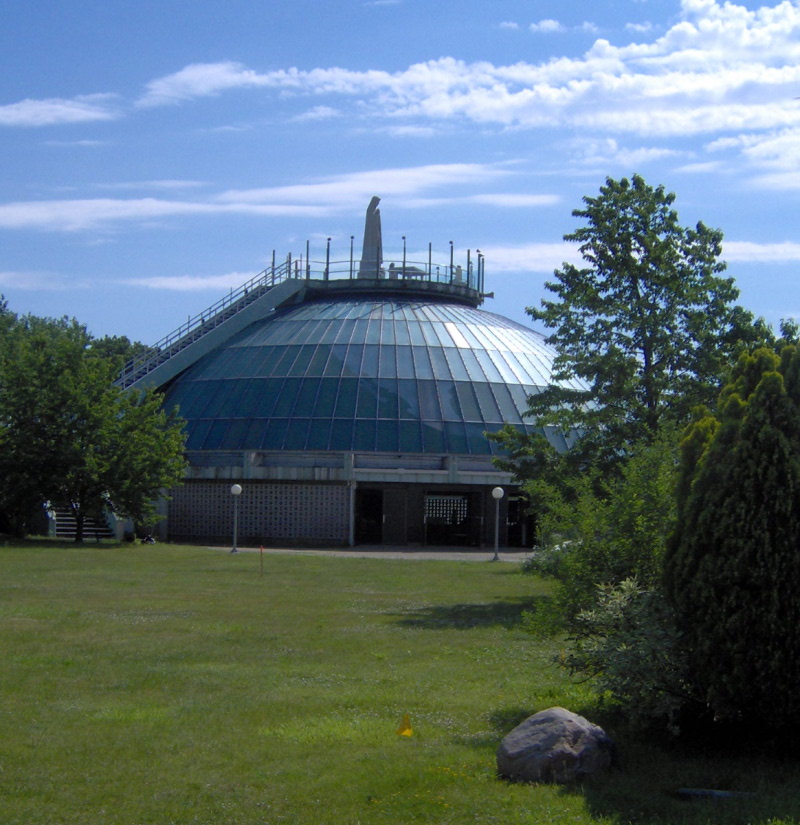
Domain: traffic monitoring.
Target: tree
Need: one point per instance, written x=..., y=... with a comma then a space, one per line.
x=731, y=569
x=68, y=436
x=645, y=330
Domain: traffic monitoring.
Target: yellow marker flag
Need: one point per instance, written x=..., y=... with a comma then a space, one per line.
x=405, y=727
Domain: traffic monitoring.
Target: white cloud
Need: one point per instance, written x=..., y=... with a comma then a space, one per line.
x=746, y=251
x=351, y=190
x=34, y=281
x=193, y=283
x=508, y=24
x=53, y=111
x=533, y=257
x=721, y=67
x=546, y=26
x=318, y=113
x=639, y=28
x=410, y=188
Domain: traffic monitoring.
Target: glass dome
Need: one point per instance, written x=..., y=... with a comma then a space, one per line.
x=365, y=375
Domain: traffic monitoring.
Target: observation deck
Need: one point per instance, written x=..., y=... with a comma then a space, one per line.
x=302, y=278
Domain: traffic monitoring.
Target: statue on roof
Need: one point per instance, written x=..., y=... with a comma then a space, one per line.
x=372, y=250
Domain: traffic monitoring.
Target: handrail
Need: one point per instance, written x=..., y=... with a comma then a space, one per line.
x=467, y=279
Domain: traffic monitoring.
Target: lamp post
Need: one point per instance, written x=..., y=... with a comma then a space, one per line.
x=497, y=494
x=236, y=491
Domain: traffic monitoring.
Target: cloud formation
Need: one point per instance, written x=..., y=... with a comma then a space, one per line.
x=409, y=187
x=55, y=110
x=722, y=67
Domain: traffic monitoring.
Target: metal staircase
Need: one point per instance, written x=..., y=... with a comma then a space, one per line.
x=92, y=529
x=189, y=342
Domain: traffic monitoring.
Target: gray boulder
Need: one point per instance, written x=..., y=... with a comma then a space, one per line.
x=554, y=745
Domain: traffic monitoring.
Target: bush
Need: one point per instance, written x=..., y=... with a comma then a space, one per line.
x=629, y=644
x=612, y=531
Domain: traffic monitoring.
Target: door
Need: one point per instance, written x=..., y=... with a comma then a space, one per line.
x=369, y=517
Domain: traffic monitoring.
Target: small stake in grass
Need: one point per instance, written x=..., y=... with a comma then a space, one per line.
x=405, y=727
x=262, y=559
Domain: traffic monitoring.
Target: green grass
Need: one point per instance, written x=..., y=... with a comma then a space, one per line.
x=177, y=685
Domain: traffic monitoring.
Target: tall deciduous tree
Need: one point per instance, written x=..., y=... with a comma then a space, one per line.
x=731, y=571
x=647, y=325
x=68, y=436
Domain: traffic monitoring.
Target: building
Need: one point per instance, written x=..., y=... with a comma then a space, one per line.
x=349, y=400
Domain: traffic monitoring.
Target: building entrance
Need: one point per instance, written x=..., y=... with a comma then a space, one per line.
x=452, y=519
x=380, y=517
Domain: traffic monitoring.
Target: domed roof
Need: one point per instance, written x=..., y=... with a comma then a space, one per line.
x=365, y=374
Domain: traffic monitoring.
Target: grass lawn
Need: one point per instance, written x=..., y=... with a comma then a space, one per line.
x=174, y=684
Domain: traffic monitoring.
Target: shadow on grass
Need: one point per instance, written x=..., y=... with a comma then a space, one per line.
x=506, y=613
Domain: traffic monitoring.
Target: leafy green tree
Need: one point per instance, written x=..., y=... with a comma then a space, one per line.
x=731, y=570
x=645, y=330
x=611, y=529
x=68, y=436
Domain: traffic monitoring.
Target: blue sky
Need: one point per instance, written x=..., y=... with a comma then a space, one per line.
x=155, y=153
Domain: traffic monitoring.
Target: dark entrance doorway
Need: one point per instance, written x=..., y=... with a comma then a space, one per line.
x=451, y=519
x=369, y=517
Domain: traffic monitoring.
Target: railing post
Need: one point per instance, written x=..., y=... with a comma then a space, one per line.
x=308, y=262
x=430, y=260
x=404, y=257
x=451, y=262
x=351, y=256
x=327, y=258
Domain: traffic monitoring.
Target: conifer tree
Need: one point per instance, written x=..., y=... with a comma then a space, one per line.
x=732, y=571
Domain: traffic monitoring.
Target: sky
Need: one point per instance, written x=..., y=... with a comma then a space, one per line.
x=155, y=153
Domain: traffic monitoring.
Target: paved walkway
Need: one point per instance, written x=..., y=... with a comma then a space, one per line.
x=506, y=554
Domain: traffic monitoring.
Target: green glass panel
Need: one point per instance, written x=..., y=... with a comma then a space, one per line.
x=307, y=397
x=408, y=399
x=405, y=362
x=367, y=398
x=387, y=441
x=388, y=364
x=456, y=437
x=219, y=391
x=197, y=432
x=255, y=434
x=336, y=360
x=410, y=437
x=469, y=404
x=316, y=366
x=276, y=432
x=286, y=398
x=387, y=398
x=319, y=434
x=489, y=409
x=433, y=436
x=326, y=399
x=451, y=409
x=287, y=359
x=477, y=442
x=346, y=401
x=303, y=359
x=341, y=435
x=441, y=370
x=215, y=435
x=422, y=363
x=506, y=404
x=296, y=434
x=364, y=434
x=233, y=438
x=369, y=366
x=429, y=401
x=352, y=361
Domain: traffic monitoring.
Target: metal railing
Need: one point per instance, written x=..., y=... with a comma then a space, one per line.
x=463, y=279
